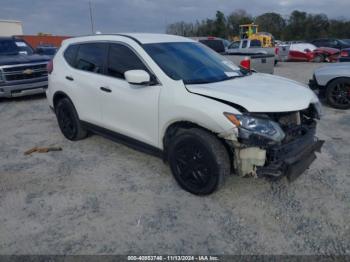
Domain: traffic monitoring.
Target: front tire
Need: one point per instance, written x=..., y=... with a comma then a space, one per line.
x=319, y=59
x=338, y=93
x=68, y=120
x=198, y=160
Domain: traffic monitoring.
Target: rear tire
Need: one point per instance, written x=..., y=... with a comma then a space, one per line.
x=338, y=93
x=198, y=160
x=68, y=120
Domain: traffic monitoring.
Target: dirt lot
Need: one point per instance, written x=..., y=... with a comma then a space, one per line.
x=97, y=196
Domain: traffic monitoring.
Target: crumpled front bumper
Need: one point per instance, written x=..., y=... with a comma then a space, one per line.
x=291, y=159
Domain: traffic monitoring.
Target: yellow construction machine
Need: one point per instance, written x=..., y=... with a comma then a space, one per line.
x=251, y=31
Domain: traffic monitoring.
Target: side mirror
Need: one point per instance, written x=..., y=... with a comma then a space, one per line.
x=137, y=77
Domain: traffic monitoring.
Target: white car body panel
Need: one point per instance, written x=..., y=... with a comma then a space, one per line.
x=260, y=93
x=326, y=74
x=301, y=47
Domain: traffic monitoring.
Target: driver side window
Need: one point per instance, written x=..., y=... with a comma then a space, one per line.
x=234, y=45
x=121, y=59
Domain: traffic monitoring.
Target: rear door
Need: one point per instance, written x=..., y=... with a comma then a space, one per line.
x=86, y=80
x=131, y=110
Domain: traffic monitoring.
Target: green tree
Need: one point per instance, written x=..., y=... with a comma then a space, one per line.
x=316, y=26
x=296, y=25
x=237, y=18
x=272, y=23
x=220, y=25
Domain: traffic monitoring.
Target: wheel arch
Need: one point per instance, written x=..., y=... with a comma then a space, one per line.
x=174, y=127
x=58, y=96
x=336, y=78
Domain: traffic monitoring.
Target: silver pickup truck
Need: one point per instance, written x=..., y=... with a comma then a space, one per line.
x=260, y=61
x=251, y=46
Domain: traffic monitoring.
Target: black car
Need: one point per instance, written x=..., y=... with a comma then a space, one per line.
x=331, y=42
x=46, y=50
x=344, y=55
x=22, y=72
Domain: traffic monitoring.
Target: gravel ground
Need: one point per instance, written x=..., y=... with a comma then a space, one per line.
x=100, y=197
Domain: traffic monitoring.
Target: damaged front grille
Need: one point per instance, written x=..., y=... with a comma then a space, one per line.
x=295, y=124
x=299, y=128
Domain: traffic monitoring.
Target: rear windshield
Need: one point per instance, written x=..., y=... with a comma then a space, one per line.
x=255, y=43
x=216, y=45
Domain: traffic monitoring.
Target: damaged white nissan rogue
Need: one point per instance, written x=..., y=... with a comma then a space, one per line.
x=176, y=98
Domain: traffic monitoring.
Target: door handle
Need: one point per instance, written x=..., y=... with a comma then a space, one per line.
x=106, y=89
x=69, y=78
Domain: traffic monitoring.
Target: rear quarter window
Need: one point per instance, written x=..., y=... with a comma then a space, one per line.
x=91, y=57
x=216, y=45
x=70, y=54
x=255, y=43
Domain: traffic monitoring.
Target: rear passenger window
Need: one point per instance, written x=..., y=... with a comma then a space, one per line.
x=91, y=57
x=255, y=43
x=70, y=54
x=121, y=59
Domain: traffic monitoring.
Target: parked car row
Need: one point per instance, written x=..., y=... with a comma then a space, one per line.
x=309, y=53
x=319, y=50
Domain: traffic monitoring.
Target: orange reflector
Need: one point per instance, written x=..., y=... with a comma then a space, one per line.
x=233, y=119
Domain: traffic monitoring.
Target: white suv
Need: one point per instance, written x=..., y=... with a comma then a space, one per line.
x=176, y=98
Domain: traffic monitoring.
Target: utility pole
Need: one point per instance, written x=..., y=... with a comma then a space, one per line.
x=91, y=19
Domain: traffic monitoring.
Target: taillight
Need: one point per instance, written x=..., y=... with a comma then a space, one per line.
x=277, y=50
x=49, y=66
x=245, y=63
x=344, y=53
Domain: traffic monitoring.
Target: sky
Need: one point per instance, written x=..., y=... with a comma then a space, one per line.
x=71, y=17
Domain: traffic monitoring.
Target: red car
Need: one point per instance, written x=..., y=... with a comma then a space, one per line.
x=310, y=53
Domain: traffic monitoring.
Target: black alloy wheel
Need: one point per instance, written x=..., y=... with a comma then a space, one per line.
x=68, y=120
x=199, y=161
x=338, y=93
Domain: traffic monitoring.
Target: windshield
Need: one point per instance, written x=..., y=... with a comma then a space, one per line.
x=10, y=47
x=24, y=48
x=192, y=62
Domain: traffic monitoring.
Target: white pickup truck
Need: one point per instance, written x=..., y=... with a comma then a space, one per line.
x=258, y=61
x=247, y=46
x=173, y=97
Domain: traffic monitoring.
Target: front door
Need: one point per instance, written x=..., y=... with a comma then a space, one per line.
x=131, y=110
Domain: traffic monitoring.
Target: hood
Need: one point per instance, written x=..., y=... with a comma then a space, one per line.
x=22, y=59
x=338, y=68
x=259, y=93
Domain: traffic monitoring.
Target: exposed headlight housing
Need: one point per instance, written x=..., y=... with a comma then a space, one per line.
x=249, y=125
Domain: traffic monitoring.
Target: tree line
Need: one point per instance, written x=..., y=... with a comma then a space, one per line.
x=297, y=26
